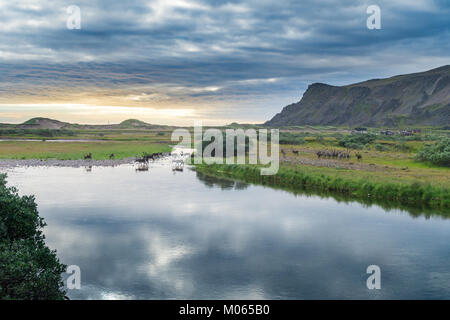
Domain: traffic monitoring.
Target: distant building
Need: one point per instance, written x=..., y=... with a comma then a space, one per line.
x=359, y=130
x=387, y=132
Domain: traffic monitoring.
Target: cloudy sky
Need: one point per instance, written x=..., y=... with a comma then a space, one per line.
x=176, y=61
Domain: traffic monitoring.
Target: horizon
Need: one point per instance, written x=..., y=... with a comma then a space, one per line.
x=177, y=62
x=115, y=123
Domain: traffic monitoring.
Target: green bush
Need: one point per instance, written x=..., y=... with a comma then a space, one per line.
x=381, y=147
x=438, y=153
x=28, y=268
x=356, y=141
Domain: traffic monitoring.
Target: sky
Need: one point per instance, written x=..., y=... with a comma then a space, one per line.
x=180, y=61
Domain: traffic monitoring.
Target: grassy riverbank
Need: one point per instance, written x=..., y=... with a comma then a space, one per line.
x=100, y=150
x=330, y=181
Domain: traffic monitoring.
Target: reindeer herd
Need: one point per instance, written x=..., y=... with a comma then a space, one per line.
x=334, y=154
x=337, y=154
x=330, y=154
x=143, y=160
x=146, y=157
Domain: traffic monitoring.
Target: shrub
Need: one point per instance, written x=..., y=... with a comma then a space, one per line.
x=438, y=153
x=381, y=147
x=356, y=141
x=28, y=268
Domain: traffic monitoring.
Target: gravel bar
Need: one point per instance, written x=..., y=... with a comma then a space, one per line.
x=12, y=163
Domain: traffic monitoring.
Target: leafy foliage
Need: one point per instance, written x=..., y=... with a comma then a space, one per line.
x=28, y=268
x=438, y=153
x=356, y=141
x=381, y=147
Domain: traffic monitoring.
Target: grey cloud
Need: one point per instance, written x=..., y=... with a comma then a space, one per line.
x=214, y=43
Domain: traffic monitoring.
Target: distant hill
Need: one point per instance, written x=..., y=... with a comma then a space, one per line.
x=43, y=123
x=133, y=123
x=412, y=99
x=46, y=123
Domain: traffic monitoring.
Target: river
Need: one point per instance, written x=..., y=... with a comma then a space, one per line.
x=160, y=234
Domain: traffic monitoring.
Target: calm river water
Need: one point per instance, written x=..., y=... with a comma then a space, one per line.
x=164, y=235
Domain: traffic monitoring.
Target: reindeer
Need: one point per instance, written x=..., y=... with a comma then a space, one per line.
x=295, y=152
x=147, y=157
x=142, y=160
x=358, y=156
x=142, y=167
x=111, y=156
x=88, y=156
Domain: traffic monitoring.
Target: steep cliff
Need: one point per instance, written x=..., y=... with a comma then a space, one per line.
x=413, y=99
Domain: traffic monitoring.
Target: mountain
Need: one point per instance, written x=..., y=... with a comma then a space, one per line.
x=412, y=99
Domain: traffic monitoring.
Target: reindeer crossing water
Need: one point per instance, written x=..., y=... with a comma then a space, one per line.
x=146, y=157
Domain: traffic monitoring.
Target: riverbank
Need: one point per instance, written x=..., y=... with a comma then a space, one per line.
x=101, y=150
x=305, y=178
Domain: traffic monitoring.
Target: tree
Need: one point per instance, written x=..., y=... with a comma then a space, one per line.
x=28, y=268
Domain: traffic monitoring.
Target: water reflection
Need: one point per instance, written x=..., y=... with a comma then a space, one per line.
x=213, y=182
x=164, y=236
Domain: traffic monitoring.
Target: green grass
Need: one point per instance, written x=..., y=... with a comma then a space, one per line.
x=391, y=166
x=76, y=150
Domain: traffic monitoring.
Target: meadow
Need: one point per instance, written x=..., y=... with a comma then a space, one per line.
x=101, y=143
